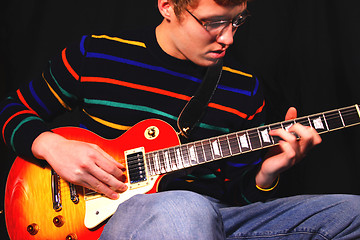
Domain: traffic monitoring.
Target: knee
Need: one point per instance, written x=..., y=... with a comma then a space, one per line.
x=165, y=215
x=342, y=207
x=182, y=204
x=347, y=203
x=179, y=215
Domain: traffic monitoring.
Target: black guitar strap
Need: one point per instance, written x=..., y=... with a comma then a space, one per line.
x=195, y=108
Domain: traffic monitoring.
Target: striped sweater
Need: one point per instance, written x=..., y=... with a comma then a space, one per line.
x=115, y=81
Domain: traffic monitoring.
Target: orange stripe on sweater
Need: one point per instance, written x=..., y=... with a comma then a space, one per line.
x=159, y=91
x=136, y=86
x=257, y=111
x=228, y=109
x=67, y=65
x=23, y=101
x=10, y=118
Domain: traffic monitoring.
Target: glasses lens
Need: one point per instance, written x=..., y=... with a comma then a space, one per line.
x=216, y=26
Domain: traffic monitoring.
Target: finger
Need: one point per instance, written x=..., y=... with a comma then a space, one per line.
x=289, y=152
x=291, y=114
x=108, y=163
x=309, y=136
x=110, y=168
x=283, y=134
x=108, y=157
x=110, y=180
x=287, y=137
x=98, y=186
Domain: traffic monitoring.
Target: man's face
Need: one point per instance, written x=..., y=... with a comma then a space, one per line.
x=190, y=40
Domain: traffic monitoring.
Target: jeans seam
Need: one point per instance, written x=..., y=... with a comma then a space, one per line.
x=280, y=234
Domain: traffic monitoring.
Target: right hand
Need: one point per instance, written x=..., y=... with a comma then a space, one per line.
x=81, y=163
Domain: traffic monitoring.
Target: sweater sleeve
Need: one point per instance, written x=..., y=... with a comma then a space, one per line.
x=25, y=113
x=240, y=171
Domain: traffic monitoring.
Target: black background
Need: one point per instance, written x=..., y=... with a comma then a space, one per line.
x=306, y=52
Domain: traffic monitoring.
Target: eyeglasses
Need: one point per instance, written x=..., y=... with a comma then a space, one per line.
x=216, y=27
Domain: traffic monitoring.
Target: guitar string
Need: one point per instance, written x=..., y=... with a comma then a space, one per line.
x=331, y=115
x=254, y=132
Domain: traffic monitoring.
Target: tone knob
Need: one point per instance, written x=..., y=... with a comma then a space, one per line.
x=58, y=221
x=33, y=229
x=71, y=236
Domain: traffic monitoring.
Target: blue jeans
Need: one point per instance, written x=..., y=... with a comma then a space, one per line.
x=187, y=215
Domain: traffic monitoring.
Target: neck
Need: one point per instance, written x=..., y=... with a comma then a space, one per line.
x=165, y=41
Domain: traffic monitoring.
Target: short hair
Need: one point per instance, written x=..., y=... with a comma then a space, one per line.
x=181, y=5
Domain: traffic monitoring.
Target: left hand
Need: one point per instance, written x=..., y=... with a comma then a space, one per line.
x=289, y=151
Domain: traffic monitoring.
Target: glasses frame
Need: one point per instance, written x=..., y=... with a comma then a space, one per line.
x=234, y=22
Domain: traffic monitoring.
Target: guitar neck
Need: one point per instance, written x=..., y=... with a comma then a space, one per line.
x=216, y=148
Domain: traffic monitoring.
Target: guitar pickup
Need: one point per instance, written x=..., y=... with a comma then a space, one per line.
x=136, y=167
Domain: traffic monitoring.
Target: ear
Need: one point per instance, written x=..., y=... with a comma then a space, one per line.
x=166, y=9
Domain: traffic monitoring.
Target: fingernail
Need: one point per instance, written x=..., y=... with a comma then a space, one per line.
x=115, y=196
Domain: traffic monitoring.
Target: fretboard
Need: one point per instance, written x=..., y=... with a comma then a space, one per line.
x=216, y=148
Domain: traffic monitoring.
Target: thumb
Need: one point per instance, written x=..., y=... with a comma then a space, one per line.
x=291, y=113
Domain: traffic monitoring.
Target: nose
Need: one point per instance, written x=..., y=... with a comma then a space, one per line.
x=226, y=36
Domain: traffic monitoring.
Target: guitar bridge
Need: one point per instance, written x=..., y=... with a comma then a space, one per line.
x=136, y=167
x=55, y=189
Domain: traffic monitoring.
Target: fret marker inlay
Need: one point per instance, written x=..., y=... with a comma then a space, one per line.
x=216, y=149
x=318, y=123
x=265, y=136
x=243, y=141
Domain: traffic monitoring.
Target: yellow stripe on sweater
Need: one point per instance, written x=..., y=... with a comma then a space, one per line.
x=108, y=124
x=236, y=71
x=136, y=43
x=56, y=95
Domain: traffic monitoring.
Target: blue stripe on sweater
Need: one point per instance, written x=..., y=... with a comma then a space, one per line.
x=161, y=69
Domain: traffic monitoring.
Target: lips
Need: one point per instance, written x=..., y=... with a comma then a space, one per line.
x=217, y=54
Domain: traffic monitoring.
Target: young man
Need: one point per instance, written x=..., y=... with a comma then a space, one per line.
x=120, y=80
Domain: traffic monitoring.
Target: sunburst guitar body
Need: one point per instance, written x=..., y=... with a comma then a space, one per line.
x=41, y=205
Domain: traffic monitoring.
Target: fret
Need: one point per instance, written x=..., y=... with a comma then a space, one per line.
x=342, y=120
x=185, y=155
x=174, y=165
x=207, y=150
x=259, y=135
x=216, y=148
x=254, y=139
x=327, y=127
x=192, y=154
x=350, y=115
x=224, y=144
x=150, y=164
x=333, y=120
x=234, y=144
x=199, y=152
x=288, y=124
x=167, y=161
x=178, y=157
x=265, y=137
x=157, y=163
x=243, y=139
x=317, y=122
x=275, y=126
x=304, y=121
x=162, y=162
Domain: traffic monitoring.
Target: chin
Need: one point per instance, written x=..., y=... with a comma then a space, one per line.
x=206, y=62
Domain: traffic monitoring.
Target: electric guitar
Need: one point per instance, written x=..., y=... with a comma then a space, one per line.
x=41, y=205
